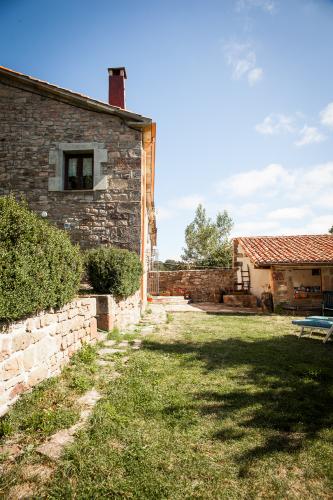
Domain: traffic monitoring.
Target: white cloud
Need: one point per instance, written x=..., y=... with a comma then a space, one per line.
x=266, y=5
x=310, y=135
x=172, y=207
x=326, y=115
x=187, y=202
x=325, y=201
x=276, y=123
x=314, y=182
x=255, y=75
x=288, y=200
x=288, y=213
x=248, y=208
x=255, y=227
x=251, y=182
x=279, y=123
x=320, y=224
x=311, y=184
x=242, y=59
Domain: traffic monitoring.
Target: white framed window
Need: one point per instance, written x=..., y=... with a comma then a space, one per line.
x=78, y=166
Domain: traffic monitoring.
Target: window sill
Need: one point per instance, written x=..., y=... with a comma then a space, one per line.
x=77, y=191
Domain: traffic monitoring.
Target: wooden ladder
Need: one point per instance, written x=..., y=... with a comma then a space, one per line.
x=245, y=275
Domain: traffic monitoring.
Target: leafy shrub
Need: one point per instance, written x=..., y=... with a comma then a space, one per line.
x=114, y=270
x=39, y=266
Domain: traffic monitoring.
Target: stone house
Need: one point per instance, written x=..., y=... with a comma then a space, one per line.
x=86, y=165
x=295, y=269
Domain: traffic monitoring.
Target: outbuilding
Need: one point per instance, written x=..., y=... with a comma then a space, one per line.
x=296, y=270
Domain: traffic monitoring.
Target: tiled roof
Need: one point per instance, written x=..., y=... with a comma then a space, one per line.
x=307, y=249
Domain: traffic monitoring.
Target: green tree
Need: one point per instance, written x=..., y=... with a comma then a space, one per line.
x=208, y=242
x=331, y=230
x=172, y=265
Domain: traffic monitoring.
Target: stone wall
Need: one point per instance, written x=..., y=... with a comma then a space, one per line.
x=327, y=278
x=203, y=285
x=245, y=300
x=36, y=348
x=36, y=130
x=285, y=279
x=113, y=313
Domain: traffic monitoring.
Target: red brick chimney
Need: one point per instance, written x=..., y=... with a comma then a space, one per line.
x=117, y=78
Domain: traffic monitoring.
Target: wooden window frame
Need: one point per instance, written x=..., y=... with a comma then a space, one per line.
x=79, y=157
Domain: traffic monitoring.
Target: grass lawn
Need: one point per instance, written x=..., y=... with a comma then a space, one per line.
x=211, y=407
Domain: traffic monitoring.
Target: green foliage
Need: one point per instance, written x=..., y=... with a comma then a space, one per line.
x=169, y=318
x=207, y=242
x=278, y=309
x=114, y=334
x=171, y=265
x=87, y=355
x=80, y=383
x=331, y=230
x=48, y=420
x=114, y=270
x=39, y=266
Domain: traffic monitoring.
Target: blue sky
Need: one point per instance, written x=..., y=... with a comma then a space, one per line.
x=241, y=90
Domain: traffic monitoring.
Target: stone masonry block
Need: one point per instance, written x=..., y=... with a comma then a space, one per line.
x=21, y=341
x=8, y=384
x=47, y=319
x=36, y=335
x=5, y=346
x=12, y=367
x=29, y=357
x=90, y=302
x=73, y=312
x=33, y=324
x=105, y=322
x=18, y=327
x=37, y=375
x=63, y=316
x=74, y=323
x=70, y=338
x=93, y=328
x=45, y=348
x=3, y=409
x=51, y=329
x=18, y=389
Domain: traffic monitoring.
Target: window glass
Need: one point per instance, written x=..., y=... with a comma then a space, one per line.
x=72, y=167
x=87, y=170
x=87, y=166
x=79, y=171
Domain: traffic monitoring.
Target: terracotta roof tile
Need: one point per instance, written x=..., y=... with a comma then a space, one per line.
x=307, y=249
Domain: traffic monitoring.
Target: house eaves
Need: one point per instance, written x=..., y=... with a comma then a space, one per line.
x=41, y=87
x=300, y=250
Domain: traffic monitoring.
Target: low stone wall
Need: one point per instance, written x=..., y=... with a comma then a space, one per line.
x=36, y=348
x=117, y=313
x=245, y=300
x=202, y=285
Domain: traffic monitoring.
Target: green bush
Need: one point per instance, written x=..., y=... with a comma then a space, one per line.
x=114, y=271
x=39, y=266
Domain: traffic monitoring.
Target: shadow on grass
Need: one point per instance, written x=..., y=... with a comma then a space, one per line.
x=281, y=385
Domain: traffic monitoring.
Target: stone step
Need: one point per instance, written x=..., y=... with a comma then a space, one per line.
x=169, y=300
x=109, y=351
